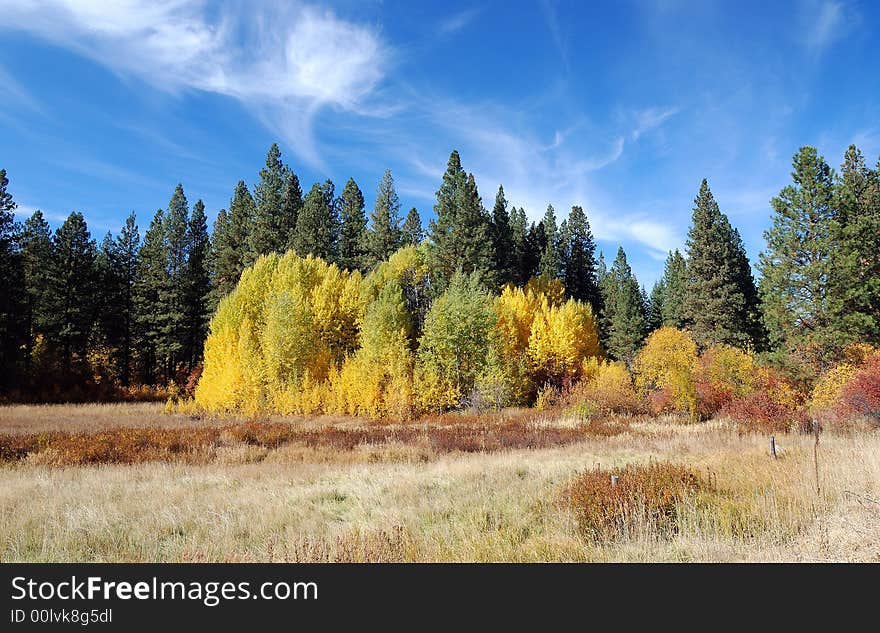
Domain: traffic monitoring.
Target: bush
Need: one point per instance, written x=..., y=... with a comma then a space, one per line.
x=860, y=397
x=723, y=373
x=644, y=495
x=607, y=388
x=664, y=370
x=774, y=406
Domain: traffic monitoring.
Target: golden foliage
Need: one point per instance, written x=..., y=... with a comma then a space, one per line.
x=665, y=368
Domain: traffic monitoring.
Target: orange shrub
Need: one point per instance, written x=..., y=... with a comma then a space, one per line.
x=647, y=495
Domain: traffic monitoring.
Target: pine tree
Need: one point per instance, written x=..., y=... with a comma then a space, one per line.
x=519, y=231
x=799, y=261
x=13, y=330
x=715, y=302
x=412, y=232
x=152, y=283
x=655, y=305
x=579, y=260
x=35, y=243
x=502, y=240
x=624, y=315
x=460, y=238
x=117, y=272
x=675, y=284
x=269, y=230
x=71, y=289
x=536, y=241
x=353, y=228
x=551, y=257
x=172, y=302
x=384, y=236
x=291, y=205
x=856, y=285
x=317, y=224
x=229, y=243
x=197, y=286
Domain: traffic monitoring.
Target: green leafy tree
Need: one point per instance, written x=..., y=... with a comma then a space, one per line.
x=412, y=232
x=317, y=224
x=456, y=343
x=353, y=228
x=799, y=262
x=383, y=235
x=579, y=260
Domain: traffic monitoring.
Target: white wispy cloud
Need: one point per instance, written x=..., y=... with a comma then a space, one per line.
x=458, y=21
x=825, y=22
x=649, y=119
x=283, y=61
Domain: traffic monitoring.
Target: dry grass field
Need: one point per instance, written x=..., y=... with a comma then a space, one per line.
x=128, y=483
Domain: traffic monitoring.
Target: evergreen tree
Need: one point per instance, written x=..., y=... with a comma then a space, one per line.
x=353, y=228
x=71, y=289
x=317, y=224
x=412, y=232
x=579, y=260
x=655, y=305
x=536, y=241
x=799, y=262
x=172, y=302
x=502, y=240
x=384, y=236
x=229, y=243
x=35, y=245
x=152, y=283
x=551, y=257
x=856, y=284
x=269, y=229
x=675, y=286
x=197, y=286
x=291, y=205
x=519, y=231
x=715, y=301
x=460, y=238
x=13, y=331
x=126, y=253
x=624, y=315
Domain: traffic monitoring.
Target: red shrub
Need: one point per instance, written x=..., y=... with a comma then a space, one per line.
x=759, y=412
x=861, y=395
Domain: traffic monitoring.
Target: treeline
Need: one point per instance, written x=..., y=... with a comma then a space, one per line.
x=79, y=319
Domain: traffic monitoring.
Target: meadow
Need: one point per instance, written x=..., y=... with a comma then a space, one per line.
x=127, y=482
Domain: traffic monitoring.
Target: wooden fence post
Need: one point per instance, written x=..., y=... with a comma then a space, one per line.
x=772, y=447
x=613, y=480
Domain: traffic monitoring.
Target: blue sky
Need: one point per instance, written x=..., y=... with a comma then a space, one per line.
x=621, y=107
